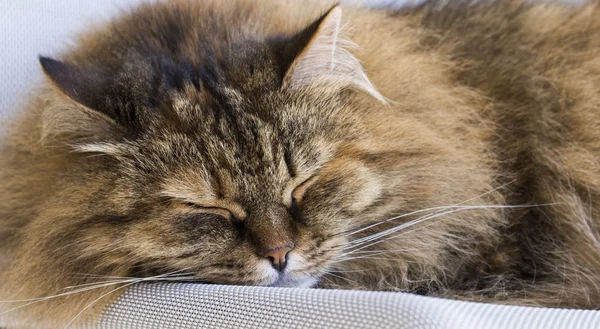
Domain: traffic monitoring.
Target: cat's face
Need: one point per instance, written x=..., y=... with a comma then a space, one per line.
x=246, y=168
x=241, y=199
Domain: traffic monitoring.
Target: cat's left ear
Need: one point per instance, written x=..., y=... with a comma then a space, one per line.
x=82, y=85
x=318, y=54
x=82, y=121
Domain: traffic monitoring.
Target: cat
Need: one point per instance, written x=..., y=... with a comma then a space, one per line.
x=447, y=149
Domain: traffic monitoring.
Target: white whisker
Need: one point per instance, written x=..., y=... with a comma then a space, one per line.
x=440, y=208
x=359, y=257
x=96, y=301
x=97, y=276
x=92, y=286
x=32, y=301
x=379, y=235
x=341, y=277
x=346, y=271
x=62, y=294
x=363, y=243
x=360, y=242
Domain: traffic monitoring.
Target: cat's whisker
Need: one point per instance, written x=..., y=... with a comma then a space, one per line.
x=341, y=277
x=360, y=243
x=416, y=221
x=347, y=271
x=360, y=257
x=63, y=294
x=178, y=276
x=440, y=208
x=369, y=253
x=177, y=272
x=411, y=231
x=96, y=301
x=398, y=217
x=32, y=301
x=386, y=251
x=92, y=286
x=394, y=218
x=366, y=244
x=353, y=231
x=127, y=283
x=428, y=217
x=385, y=232
x=97, y=276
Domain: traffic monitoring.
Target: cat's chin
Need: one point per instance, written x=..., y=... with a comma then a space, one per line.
x=286, y=281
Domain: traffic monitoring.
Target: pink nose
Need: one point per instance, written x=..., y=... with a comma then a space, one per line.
x=278, y=256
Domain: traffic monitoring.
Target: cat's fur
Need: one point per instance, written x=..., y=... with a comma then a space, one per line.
x=226, y=104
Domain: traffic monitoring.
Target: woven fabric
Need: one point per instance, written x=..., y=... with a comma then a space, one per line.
x=186, y=305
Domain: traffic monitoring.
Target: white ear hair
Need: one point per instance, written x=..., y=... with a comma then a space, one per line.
x=99, y=147
x=327, y=59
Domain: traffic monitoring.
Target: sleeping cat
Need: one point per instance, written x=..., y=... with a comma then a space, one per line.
x=450, y=149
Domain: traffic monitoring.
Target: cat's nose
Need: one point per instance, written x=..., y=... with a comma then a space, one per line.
x=278, y=256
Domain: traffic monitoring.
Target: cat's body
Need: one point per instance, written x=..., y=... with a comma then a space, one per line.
x=210, y=116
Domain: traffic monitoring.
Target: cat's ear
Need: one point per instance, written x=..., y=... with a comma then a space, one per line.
x=318, y=54
x=82, y=122
x=83, y=85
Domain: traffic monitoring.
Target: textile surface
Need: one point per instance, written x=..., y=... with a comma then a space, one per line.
x=186, y=305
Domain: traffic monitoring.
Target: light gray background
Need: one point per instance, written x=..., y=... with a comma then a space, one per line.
x=32, y=27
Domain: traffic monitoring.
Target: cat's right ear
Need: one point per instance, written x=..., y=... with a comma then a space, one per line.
x=83, y=85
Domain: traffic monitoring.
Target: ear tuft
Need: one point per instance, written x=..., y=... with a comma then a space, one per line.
x=317, y=57
x=324, y=57
x=98, y=147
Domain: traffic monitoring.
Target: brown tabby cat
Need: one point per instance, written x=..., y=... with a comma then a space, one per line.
x=455, y=153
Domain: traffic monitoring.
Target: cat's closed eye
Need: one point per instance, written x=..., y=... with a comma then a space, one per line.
x=297, y=194
x=227, y=214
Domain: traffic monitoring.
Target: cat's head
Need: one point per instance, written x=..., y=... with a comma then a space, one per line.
x=247, y=166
